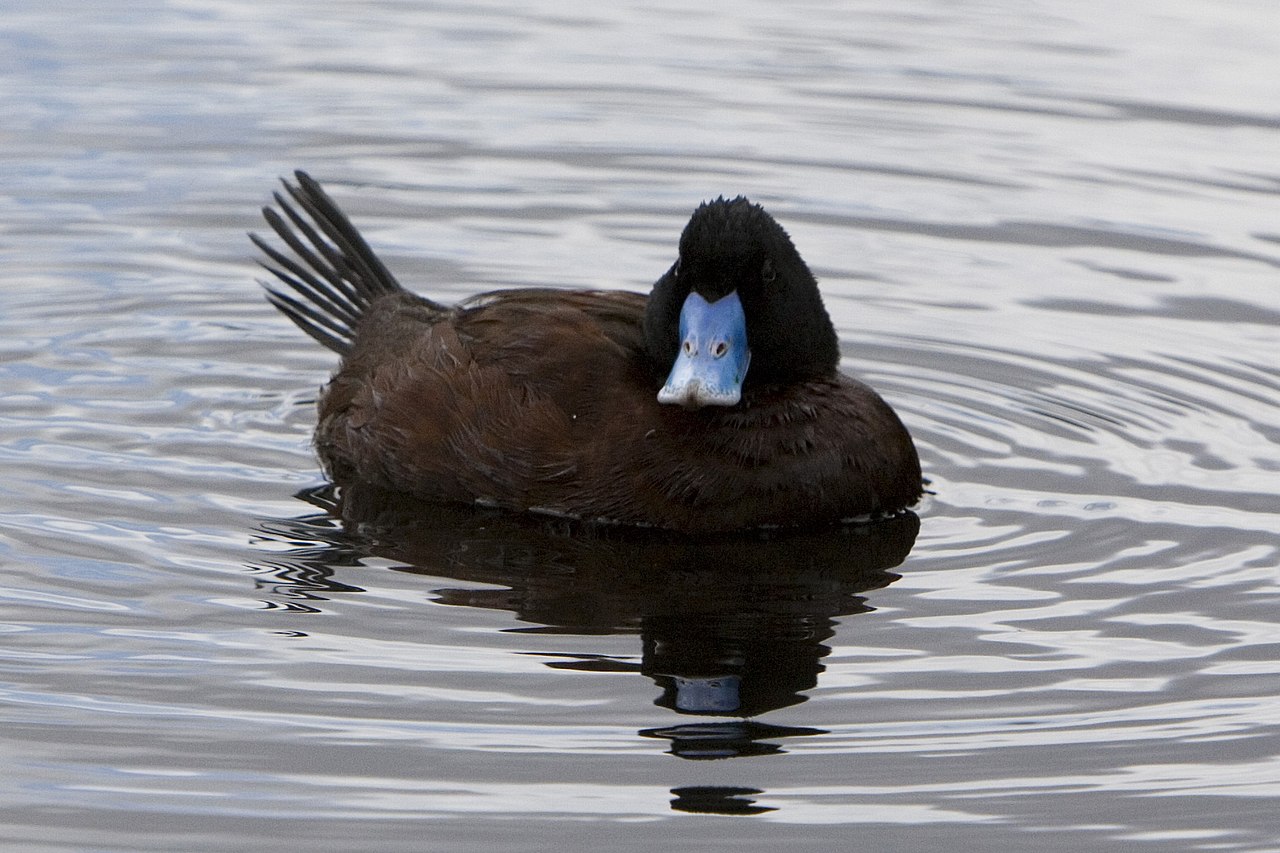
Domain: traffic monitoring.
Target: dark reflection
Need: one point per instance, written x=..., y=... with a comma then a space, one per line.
x=717, y=800
x=729, y=739
x=317, y=546
x=731, y=626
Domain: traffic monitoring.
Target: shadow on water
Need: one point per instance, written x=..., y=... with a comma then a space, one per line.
x=730, y=626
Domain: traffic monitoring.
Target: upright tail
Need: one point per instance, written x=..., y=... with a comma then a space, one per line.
x=331, y=268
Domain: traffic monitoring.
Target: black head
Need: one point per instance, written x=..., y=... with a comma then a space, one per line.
x=734, y=245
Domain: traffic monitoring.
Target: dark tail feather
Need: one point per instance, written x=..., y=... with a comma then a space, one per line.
x=331, y=268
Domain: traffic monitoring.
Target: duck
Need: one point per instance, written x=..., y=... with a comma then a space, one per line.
x=715, y=403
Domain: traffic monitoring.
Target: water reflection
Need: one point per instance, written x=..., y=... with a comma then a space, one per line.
x=717, y=800
x=727, y=739
x=732, y=626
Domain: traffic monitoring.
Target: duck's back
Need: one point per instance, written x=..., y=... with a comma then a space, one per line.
x=479, y=402
x=543, y=400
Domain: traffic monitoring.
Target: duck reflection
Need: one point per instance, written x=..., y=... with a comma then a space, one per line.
x=731, y=626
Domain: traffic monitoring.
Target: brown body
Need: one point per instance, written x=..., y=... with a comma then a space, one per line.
x=544, y=400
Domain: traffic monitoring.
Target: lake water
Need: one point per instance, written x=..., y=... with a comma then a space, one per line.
x=1047, y=232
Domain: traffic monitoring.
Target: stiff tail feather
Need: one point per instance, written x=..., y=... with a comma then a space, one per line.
x=332, y=272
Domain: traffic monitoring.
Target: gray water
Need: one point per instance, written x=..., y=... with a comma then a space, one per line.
x=1047, y=232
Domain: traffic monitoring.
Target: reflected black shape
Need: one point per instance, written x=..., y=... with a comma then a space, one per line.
x=702, y=799
x=728, y=739
x=731, y=625
x=741, y=663
x=304, y=573
x=587, y=662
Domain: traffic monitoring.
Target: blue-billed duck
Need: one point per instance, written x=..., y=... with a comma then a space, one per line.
x=715, y=403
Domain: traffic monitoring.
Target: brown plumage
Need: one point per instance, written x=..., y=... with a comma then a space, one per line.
x=545, y=400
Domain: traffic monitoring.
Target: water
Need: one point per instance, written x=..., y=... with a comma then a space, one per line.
x=1047, y=233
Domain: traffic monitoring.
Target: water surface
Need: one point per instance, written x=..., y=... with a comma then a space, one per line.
x=1047, y=235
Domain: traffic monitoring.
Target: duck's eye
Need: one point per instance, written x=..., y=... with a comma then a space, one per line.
x=675, y=268
x=689, y=348
x=718, y=349
x=768, y=273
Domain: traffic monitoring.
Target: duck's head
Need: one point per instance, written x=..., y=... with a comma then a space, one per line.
x=739, y=307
